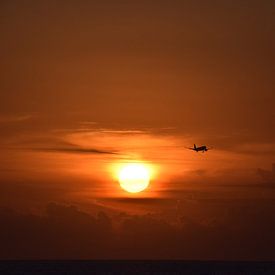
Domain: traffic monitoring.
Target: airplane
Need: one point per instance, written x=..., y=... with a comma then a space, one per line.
x=202, y=148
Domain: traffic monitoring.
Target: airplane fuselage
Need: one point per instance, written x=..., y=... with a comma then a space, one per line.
x=200, y=148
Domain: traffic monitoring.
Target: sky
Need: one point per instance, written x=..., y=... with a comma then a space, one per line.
x=89, y=86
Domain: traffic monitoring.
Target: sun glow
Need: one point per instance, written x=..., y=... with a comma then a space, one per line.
x=134, y=177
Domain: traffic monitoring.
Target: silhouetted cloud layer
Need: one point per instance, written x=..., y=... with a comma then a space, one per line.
x=66, y=232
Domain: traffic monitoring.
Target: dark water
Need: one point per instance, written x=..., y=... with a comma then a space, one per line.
x=135, y=267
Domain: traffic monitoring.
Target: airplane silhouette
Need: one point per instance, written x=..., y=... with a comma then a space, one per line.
x=202, y=148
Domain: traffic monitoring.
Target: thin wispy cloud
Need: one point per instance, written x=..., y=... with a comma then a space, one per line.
x=57, y=144
x=75, y=150
x=15, y=118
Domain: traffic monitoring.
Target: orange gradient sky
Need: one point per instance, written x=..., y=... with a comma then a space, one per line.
x=88, y=86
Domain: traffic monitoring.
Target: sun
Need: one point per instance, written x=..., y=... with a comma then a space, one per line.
x=134, y=177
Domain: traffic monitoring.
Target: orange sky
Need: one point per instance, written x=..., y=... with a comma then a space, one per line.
x=87, y=85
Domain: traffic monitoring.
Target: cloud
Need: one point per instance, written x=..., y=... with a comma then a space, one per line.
x=267, y=176
x=15, y=118
x=64, y=232
x=75, y=150
x=238, y=229
x=59, y=145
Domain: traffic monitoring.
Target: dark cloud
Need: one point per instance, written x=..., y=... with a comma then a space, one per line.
x=267, y=175
x=240, y=230
x=75, y=150
x=55, y=144
x=64, y=232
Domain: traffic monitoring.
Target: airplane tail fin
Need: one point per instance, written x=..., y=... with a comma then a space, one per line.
x=195, y=147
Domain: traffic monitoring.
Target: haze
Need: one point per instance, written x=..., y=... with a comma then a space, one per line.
x=89, y=85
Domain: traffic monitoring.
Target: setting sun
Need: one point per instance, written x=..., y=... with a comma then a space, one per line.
x=134, y=178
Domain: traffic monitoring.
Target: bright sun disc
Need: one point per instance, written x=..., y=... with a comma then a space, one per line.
x=134, y=178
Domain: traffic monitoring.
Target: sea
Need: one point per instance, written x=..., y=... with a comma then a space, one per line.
x=76, y=267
